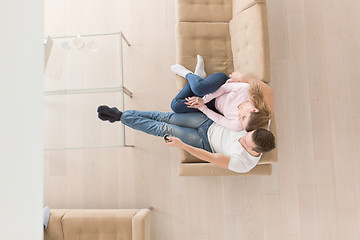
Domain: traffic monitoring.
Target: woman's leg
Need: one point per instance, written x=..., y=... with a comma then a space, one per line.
x=197, y=86
x=178, y=103
x=184, y=126
x=201, y=87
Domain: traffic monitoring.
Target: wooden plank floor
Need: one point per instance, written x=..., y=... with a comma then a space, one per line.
x=314, y=191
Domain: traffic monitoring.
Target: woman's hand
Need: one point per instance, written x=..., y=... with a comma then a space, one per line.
x=174, y=142
x=194, y=102
x=236, y=77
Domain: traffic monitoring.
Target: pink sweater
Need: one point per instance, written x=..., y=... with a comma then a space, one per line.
x=228, y=97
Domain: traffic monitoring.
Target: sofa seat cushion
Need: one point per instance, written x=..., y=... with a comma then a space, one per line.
x=204, y=10
x=250, y=42
x=98, y=224
x=240, y=5
x=210, y=40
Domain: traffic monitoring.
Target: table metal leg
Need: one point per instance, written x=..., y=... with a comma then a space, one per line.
x=127, y=92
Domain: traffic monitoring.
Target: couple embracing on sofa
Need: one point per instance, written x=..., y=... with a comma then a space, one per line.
x=219, y=119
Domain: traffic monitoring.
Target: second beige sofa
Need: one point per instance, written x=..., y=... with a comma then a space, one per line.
x=98, y=224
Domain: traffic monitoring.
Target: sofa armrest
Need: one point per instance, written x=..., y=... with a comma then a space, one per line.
x=141, y=225
x=54, y=230
x=209, y=169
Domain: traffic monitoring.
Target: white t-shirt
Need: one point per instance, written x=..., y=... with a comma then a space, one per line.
x=225, y=141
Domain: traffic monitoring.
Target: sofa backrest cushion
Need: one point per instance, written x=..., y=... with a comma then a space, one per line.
x=240, y=5
x=98, y=224
x=204, y=10
x=250, y=42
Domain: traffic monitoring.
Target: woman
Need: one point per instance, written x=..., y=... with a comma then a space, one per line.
x=244, y=102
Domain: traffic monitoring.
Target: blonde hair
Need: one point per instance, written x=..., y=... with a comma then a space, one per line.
x=258, y=119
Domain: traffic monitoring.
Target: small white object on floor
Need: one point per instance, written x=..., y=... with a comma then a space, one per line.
x=46, y=217
x=200, y=67
x=180, y=70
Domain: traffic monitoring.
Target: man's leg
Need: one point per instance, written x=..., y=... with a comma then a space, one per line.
x=189, y=120
x=159, y=124
x=201, y=87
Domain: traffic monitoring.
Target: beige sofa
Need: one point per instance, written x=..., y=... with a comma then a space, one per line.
x=230, y=35
x=96, y=224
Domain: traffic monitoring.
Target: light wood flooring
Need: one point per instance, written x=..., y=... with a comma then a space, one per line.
x=314, y=191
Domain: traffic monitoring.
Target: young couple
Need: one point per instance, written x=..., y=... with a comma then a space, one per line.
x=220, y=119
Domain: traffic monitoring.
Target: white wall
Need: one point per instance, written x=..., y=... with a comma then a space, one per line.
x=21, y=134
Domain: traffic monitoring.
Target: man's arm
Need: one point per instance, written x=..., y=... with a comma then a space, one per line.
x=218, y=159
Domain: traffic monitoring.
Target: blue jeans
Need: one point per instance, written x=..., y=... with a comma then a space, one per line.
x=197, y=86
x=191, y=128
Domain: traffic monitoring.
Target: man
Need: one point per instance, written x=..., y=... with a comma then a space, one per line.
x=198, y=135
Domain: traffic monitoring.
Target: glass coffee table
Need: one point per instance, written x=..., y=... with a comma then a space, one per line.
x=83, y=72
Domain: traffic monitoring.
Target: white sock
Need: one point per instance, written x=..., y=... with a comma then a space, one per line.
x=200, y=68
x=180, y=70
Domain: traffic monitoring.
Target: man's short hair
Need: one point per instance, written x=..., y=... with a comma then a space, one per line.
x=264, y=140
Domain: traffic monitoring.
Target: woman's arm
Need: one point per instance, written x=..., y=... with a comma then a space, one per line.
x=218, y=159
x=234, y=125
x=266, y=90
x=223, y=89
x=197, y=102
